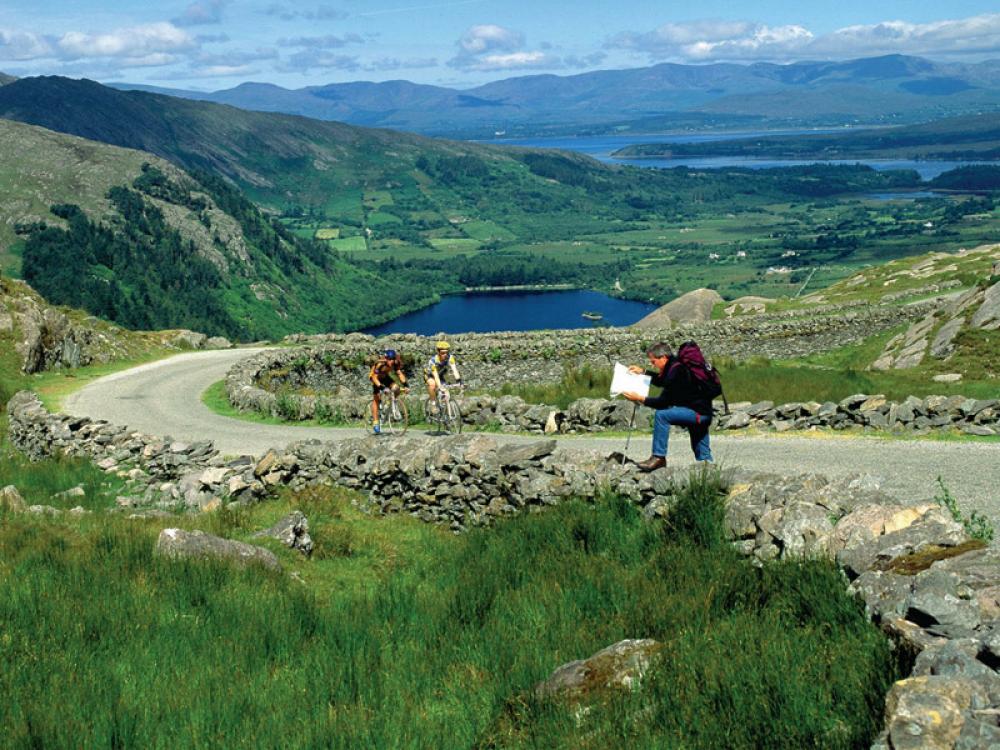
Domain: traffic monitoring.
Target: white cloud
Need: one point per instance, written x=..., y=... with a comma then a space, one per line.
x=383, y=64
x=329, y=41
x=23, y=45
x=490, y=47
x=978, y=34
x=291, y=13
x=133, y=42
x=318, y=59
x=202, y=12
x=717, y=40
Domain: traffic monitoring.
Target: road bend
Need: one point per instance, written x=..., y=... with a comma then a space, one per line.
x=164, y=398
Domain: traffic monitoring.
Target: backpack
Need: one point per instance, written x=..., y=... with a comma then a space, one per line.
x=704, y=377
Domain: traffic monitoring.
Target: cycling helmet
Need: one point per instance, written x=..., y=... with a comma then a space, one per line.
x=390, y=353
x=442, y=345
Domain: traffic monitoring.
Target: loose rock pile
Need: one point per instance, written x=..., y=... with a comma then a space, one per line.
x=935, y=591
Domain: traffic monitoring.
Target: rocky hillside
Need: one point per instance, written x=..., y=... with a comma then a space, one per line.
x=35, y=336
x=42, y=168
x=134, y=239
x=5, y=79
x=962, y=334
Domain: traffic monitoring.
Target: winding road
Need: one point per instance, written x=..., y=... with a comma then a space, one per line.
x=163, y=398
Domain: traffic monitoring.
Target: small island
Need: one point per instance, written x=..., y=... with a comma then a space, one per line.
x=592, y=315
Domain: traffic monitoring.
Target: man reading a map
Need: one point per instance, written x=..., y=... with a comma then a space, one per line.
x=683, y=402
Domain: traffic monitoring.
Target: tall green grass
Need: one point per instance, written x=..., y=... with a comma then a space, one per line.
x=404, y=636
x=40, y=482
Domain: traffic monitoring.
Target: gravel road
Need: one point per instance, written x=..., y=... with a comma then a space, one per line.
x=163, y=398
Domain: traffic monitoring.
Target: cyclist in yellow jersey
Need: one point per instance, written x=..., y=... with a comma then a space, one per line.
x=384, y=374
x=440, y=368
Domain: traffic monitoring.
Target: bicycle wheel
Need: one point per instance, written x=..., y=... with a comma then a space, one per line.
x=454, y=416
x=399, y=418
x=432, y=413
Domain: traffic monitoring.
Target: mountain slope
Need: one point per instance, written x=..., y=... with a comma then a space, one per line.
x=892, y=87
x=136, y=240
x=275, y=156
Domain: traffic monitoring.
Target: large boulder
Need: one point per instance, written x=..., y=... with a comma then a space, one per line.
x=693, y=307
x=179, y=544
x=11, y=500
x=620, y=666
x=292, y=531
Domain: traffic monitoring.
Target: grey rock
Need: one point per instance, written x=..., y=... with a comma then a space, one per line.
x=620, y=666
x=292, y=531
x=177, y=543
x=988, y=314
x=11, y=500
x=523, y=453
x=937, y=529
x=943, y=344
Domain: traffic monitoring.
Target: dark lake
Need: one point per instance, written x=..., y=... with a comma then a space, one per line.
x=480, y=312
x=601, y=147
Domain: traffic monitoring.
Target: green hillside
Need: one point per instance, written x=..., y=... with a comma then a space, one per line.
x=138, y=241
x=430, y=216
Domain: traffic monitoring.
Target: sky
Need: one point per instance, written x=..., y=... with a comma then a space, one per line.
x=214, y=44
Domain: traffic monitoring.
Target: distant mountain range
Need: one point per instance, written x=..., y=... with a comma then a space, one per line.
x=889, y=89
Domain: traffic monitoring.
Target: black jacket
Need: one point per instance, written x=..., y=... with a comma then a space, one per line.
x=679, y=389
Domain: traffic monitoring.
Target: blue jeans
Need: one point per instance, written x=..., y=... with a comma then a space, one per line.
x=697, y=426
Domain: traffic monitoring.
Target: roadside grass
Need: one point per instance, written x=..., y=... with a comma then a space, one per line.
x=216, y=399
x=831, y=376
x=40, y=482
x=407, y=636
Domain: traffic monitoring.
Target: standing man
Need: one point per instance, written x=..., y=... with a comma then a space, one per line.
x=683, y=402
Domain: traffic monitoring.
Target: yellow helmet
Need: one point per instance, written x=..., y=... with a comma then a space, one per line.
x=442, y=345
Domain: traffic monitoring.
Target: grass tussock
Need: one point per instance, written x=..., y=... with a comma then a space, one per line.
x=40, y=483
x=406, y=636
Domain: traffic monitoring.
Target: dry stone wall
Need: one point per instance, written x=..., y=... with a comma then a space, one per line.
x=513, y=414
x=931, y=588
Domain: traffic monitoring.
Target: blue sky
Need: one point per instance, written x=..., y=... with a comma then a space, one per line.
x=211, y=44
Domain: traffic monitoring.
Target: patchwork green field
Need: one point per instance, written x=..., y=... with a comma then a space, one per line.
x=743, y=246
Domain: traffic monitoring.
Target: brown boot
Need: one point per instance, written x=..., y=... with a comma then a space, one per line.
x=652, y=463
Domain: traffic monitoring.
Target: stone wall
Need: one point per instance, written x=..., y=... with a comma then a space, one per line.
x=931, y=588
x=514, y=414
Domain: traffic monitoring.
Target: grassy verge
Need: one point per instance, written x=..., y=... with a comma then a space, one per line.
x=216, y=399
x=406, y=636
x=41, y=482
x=824, y=377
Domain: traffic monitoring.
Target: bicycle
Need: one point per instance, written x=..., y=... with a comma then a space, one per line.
x=394, y=417
x=444, y=410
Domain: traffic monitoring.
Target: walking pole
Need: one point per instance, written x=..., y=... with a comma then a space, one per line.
x=631, y=424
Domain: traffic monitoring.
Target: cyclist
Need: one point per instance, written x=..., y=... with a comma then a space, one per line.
x=387, y=372
x=438, y=369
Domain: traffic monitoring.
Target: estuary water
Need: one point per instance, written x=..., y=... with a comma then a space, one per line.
x=482, y=312
x=601, y=147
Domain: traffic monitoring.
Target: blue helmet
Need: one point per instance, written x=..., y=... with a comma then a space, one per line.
x=390, y=353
